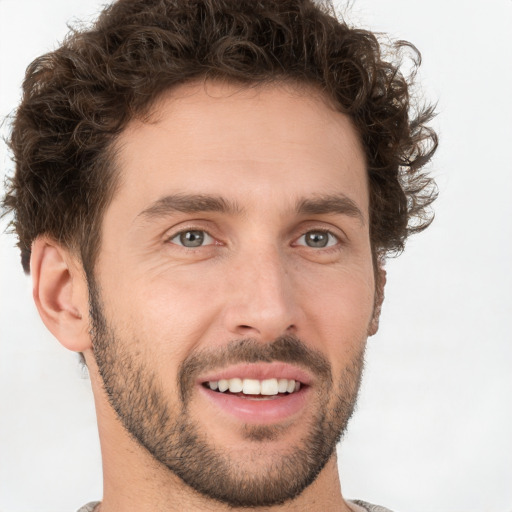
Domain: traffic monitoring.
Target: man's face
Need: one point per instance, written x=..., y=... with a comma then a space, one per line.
x=236, y=253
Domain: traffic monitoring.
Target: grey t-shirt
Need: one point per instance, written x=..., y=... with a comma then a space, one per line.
x=89, y=507
x=367, y=507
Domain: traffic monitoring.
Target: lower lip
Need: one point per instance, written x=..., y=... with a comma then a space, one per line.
x=259, y=411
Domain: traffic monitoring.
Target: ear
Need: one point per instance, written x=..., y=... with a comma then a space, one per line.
x=60, y=293
x=380, y=283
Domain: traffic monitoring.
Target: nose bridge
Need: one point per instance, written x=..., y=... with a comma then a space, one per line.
x=263, y=304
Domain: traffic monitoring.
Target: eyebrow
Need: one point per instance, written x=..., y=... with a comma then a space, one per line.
x=190, y=203
x=331, y=204
x=196, y=203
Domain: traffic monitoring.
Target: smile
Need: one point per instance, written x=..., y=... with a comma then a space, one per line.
x=258, y=393
x=253, y=387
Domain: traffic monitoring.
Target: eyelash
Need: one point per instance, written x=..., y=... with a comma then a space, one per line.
x=190, y=230
x=332, y=236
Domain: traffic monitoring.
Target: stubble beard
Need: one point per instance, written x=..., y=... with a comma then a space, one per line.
x=173, y=439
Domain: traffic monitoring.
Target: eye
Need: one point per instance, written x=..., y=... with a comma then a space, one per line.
x=192, y=238
x=318, y=239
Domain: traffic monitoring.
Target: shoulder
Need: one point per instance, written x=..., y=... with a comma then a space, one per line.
x=363, y=506
x=89, y=507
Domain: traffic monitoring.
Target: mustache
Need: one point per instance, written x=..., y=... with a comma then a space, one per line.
x=285, y=349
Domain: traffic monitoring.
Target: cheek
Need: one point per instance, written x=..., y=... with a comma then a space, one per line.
x=165, y=313
x=340, y=306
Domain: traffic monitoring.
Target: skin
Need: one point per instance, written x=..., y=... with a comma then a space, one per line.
x=264, y=150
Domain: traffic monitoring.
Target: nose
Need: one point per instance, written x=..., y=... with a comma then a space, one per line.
x=262, y=302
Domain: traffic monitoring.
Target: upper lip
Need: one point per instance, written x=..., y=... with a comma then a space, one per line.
x=259, y=371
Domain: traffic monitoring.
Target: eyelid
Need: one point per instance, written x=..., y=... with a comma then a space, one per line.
x=329, y=232
x=211, y=240
x=176, y=231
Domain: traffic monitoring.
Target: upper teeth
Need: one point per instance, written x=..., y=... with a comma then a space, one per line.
x=255, y=387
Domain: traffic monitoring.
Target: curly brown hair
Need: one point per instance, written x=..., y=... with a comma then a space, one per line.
x=78, y=98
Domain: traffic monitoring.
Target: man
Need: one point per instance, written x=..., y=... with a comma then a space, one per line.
x=205, y=194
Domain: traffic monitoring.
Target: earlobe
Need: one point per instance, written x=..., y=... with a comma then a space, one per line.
x=60, y=293
x=380, y=283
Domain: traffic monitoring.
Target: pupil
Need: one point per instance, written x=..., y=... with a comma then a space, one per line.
x=316, y=239
x=192, y=238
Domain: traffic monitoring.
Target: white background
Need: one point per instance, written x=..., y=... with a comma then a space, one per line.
x=433, y=431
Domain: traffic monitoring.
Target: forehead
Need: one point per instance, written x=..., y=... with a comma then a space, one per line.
x=273, y=144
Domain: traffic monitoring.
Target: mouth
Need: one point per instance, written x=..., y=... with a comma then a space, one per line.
x=254, y=389
x=258, y=393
